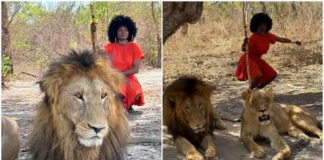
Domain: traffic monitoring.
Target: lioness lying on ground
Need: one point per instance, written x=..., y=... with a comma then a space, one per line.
x=10, y=138
x=190, y=117
x=262, y=117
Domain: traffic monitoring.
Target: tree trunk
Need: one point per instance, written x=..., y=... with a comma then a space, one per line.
x=264, y=8
x=176, y=14
x=5, y=36
x=294, y=9
x=159, y=61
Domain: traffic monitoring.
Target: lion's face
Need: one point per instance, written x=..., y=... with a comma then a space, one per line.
x=258, y=102
x=194, y=110
x=86, y=105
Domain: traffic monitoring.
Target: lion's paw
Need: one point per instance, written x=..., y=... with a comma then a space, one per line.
x=210, y=153
x=194, y=155
x=304, y=141
x=258, y=154
x=213, y=158
x=219, y=124
x=320, y=141
x=277, y=158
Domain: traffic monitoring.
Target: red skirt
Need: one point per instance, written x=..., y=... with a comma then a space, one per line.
x=132, y=93
x=257, y=67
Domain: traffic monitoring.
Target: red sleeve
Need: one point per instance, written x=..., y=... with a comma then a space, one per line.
x=138, y=54
x=108, y=48
x=272, y=38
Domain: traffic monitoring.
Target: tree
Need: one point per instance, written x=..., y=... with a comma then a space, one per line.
x=5, y=36
x=154, y=16
x=264, y=8
x=176, y=14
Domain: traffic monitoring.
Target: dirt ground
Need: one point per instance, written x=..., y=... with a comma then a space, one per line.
x=19, y=101
x=297, y=83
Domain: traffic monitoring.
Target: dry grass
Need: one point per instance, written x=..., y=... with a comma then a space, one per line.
x=211, y=48
x=37, y=39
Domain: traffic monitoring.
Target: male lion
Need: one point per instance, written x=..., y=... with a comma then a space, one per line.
x=190, y=117
x=10, y=138
x=262, y=117
x=80, y=117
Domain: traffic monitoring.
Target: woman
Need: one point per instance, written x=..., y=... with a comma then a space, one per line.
x=126, y=56
x=261, y=72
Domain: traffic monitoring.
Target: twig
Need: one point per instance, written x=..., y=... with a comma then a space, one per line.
x=231, y=120
x=137, y=140
x=28, y=74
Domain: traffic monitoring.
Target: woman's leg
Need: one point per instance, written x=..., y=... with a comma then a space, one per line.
x=267, y=81
x=255, y=73
x=255, y=82
x=268, y=73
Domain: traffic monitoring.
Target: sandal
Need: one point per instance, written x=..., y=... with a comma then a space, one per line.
x=132, y=111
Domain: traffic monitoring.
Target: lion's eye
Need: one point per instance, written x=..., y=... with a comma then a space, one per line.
x=268, y=100
x=255, y=103
x=187, y=108
x=103, y=95
x=200, y=106
x=78, y=96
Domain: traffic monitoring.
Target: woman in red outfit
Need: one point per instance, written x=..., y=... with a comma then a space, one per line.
x=126, y=56
x=261, y=72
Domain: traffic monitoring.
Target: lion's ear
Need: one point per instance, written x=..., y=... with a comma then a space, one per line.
x=51, y=84
x=270, y=92
x=246, y=95
x=172, y=98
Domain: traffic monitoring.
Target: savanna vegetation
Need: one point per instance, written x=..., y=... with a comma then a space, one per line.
x=37, y=32
x=218, y=35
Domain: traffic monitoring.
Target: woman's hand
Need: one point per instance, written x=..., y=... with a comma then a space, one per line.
x=134, y=69
x=245, y=41
x=298, y=43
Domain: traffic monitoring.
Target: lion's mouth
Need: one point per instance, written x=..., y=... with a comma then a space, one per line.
x=264, y=119
x=198, y=130
x=91, y=142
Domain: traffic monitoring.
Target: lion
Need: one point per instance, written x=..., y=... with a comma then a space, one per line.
x=190, y=117
x=80, y=116
x=10, y=137
x=262, y=117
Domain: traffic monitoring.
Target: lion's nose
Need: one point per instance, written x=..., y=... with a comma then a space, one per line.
x=262, y=110
x=96, y=129
x=199, y=125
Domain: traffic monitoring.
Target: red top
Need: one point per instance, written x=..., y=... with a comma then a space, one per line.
x=259, y=44
x=122, y=57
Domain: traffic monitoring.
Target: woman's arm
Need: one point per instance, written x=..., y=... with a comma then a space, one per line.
x=285, y=40
x=134, y=69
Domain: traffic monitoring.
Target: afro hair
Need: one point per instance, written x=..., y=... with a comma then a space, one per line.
x=118, y=21
x=258, y=19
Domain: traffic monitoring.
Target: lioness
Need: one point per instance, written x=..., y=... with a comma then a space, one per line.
x=10, y=138
x=190, y=117
x=262, y=117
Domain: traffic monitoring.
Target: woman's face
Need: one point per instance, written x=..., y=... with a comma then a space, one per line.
x=122, y=33
x=262, y=28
